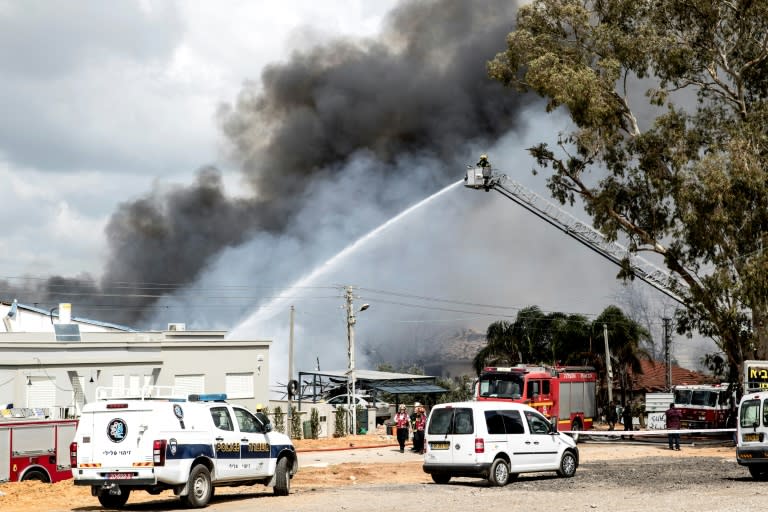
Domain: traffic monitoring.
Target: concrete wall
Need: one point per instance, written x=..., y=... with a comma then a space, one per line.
x=156, y=357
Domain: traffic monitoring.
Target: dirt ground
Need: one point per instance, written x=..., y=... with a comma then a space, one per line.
x=311, y=482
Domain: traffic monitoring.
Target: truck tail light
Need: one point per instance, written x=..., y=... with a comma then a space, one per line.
x=73, y=454
x=479, y=445
x=158, y=452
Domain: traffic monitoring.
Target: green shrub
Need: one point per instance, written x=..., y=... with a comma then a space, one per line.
x=341, y=423
x=314, y=423
x=279, y=420
x=295, y=423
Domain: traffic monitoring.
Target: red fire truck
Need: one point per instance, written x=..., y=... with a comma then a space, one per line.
x=35, y=449
x=564, y=393
x=703, y=405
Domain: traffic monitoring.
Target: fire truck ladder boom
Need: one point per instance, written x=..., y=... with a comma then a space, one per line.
x=584, y=233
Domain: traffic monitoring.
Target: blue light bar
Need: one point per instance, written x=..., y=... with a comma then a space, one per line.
x=208, y=397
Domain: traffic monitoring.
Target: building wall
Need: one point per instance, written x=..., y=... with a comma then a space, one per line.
x=35, y=365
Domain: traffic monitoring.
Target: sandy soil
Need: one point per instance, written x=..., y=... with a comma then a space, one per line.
x=33, y=496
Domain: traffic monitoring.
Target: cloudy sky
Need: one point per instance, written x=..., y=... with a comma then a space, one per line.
x=231, y=150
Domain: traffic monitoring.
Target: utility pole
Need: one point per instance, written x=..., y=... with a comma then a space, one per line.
x=290, y=374
x=608, y=369
x=351, y=384
x=351, y=358
x=667, y=355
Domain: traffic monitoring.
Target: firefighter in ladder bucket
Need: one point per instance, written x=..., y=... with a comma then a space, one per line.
x=485, y=165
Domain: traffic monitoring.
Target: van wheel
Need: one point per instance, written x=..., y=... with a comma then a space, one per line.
x=759, y=472
x=499, y=474
x=282, y=478
x=35, y=475
x=567, y=465
x=114, y=500
x=440, y=478
x=200, y=488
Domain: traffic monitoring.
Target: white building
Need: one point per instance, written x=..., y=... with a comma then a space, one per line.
x=57, y=362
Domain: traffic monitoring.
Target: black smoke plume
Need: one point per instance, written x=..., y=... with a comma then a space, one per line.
x=419, y=89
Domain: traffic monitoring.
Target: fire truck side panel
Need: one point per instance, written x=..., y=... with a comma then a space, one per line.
x=65, y=433
x=37, y=449
x=5, y=454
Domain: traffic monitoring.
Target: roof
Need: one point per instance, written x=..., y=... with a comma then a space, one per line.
x=368, y=375
x=388, y=382
x=80, y=319
x=654, y=376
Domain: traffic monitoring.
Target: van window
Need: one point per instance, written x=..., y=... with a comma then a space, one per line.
x=749, y=415
x=494, y=422
x=463, y=422
x=537, y=424
x=765, y=412
x=450, y=421
x=221, y=418
x=504, y=422
x=513, y=423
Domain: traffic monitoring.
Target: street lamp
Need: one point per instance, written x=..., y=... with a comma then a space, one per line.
x=351, y=383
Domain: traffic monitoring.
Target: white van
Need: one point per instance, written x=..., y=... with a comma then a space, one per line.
x=190, y=445
x=752, y=434
x=494, y=440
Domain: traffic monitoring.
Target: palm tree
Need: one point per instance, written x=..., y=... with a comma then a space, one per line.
x=624, y=339
x=502, y=347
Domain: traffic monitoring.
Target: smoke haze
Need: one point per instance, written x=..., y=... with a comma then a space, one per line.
x=332, y=142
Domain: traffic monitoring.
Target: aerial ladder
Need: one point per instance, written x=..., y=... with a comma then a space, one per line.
x=483, y=177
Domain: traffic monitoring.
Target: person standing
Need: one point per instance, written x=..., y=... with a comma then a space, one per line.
x=611, y=417
x=419, y=423
x=626, y=417
x=402, y=421
x=673, y=423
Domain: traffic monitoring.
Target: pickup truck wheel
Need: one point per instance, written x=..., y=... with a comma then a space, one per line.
x=282, y=478
x=114, y=500
x=499, y=474
x=200, y=488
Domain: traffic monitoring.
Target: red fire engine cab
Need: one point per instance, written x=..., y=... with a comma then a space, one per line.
x=35, y=449
x=703, y=405
x=562, y=393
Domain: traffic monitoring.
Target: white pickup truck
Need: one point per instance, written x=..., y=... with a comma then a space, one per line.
x=191, y=446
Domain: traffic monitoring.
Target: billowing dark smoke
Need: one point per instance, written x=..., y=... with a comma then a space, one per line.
x=419, y=90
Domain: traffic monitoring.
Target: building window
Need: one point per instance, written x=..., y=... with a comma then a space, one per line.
x=239, y=385
x=185, y=385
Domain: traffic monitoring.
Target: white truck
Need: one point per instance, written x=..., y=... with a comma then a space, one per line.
x=190, y=445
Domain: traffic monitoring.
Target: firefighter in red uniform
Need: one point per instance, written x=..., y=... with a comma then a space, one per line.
x=419, y=424
x=402, y=421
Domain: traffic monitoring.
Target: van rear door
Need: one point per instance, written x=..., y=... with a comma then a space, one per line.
x=451, y=436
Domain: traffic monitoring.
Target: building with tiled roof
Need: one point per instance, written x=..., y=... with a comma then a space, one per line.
x=653, y=378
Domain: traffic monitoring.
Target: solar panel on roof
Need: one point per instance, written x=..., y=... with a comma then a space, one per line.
x=67, y=332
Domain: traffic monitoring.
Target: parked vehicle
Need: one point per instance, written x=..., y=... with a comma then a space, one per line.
x=564, y=394
x=752, y=434
x=383, y=411
x=361, y=400
x=187, y=445
x=703, y=405
x=35, y=449
x=496, y=441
